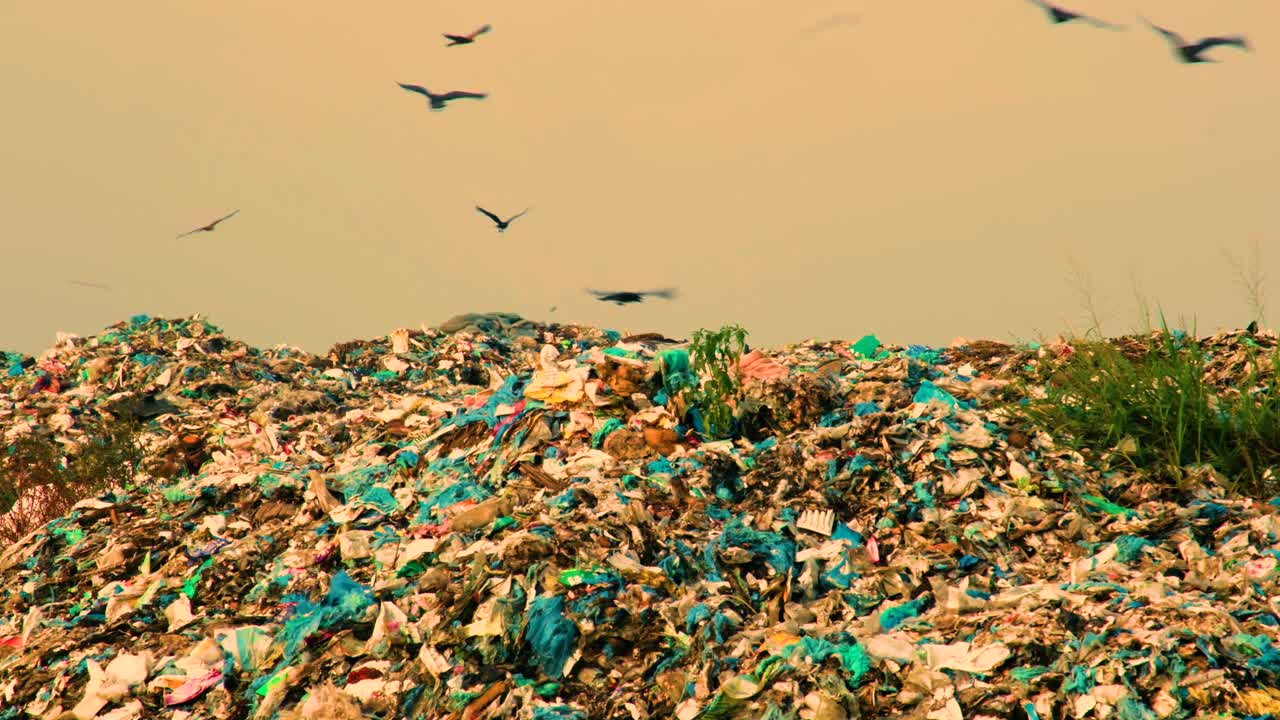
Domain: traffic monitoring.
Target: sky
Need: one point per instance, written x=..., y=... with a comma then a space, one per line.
x=935, y=169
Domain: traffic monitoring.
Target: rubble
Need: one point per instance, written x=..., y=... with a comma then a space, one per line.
x=499, y=518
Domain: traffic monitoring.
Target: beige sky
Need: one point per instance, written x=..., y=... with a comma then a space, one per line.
x=922, y=174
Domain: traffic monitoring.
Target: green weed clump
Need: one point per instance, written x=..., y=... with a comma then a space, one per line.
x=714, y=355
x=54, y=477
x=1159, y=412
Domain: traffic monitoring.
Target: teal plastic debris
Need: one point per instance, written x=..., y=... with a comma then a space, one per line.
x=894, y=616
x=929, y=392
x=1131, y=709
x=1107, y=506
x=610, y=425
x=853, y=658
x=866, y=346
x=677, y=374
x=1262, y=654
x=344, y=604
x=1129, y=548
x=778, y=551
x=551, y=635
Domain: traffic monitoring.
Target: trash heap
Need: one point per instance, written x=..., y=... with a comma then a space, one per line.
x=499, y=518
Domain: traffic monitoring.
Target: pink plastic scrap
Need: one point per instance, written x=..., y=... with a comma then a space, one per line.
x=193, y=688
x=756, y=366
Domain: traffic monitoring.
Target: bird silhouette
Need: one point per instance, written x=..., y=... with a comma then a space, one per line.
x=1061, y=15
x=622, y=298
x=210, y=227
x=438, y=101
x=502, y=224
x=1191, y=52
x=82, y=283
x=467, y=39
x=830, y=22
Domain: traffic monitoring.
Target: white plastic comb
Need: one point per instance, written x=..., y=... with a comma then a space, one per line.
x=818, y=521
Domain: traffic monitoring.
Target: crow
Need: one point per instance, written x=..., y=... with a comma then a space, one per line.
x=438, y=101
x=622, y=298
x=1190, y=52
x=502, y=224
x=210, y=227
x=1061, y=15
x=467, y=39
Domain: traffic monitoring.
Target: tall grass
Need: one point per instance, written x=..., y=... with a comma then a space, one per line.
x=1158, y=410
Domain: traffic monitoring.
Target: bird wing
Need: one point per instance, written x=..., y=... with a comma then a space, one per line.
x=224, y=217
x=599, y=293
x=1099, y=22
x=1041, y=4
x=481, y=30
x=189, y=232
x=416, y=89
x=665, y=293
x=456, y=38
x=1169, y=35
x=1233, y=40
x=490, y=215
x=460, y=94
x=519, y=214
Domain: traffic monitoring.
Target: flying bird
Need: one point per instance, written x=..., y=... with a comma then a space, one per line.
x=438, y=101
x=622, y=298
x=1190, y=52
x=210, y=227
x=83, y=283
x=467, y=39
x=828, y=23
x=1061, y=15
x=502, y=224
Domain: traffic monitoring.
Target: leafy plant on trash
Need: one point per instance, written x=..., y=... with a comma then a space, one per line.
x=714, y=355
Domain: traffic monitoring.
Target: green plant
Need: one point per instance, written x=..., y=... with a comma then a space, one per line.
x=715, y=355
x=41, y=480
x=1161, y=414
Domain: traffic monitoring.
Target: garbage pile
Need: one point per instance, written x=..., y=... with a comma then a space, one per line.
x=499, y=518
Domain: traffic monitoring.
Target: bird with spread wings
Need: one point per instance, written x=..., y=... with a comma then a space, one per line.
x=1190, y=52
x=622, y=298
x=211, y=226
x=1059, y=15
x=467, y=39
x=438, y=101
x=502, y=224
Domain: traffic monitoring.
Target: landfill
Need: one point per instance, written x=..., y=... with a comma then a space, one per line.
x=503, y=518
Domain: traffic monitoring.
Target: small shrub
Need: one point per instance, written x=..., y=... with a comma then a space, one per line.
x=714, y=355
x=40, y=481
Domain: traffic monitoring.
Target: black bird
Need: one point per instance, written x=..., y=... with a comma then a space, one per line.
x=1190, y=52
x=502, y=224
x=622, y=298
x=467, y=39
x=210, y=227
x=1061, y=15
x=1252, y=329
x=438, y=101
